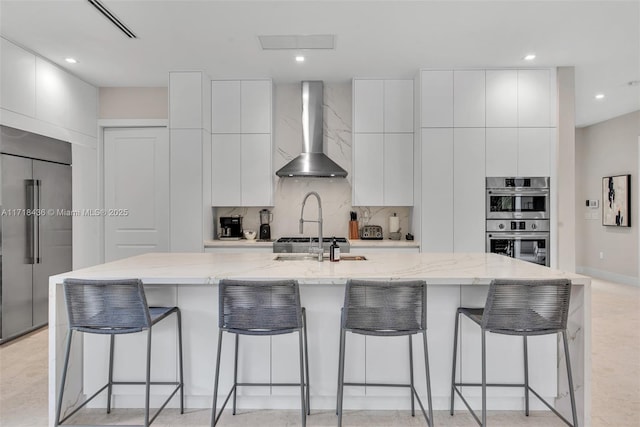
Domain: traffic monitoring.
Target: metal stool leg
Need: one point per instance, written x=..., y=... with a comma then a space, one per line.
x=147, y=392
x=412, y=390
x=453, y=369
x=235, y=374
x=428, y=378
x=110, y=387
x=180, y=361
x=570, y=379
x=484, y=379
x=340, y=367
x=526, y=377
x=303, y=399
x=214, y=418
x=306, y=358
x=341, y=375
x=64, y=377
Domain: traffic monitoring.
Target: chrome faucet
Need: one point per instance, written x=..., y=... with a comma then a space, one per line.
x=319, y=250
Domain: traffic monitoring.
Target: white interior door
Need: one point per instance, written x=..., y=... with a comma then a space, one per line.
x=136, y=191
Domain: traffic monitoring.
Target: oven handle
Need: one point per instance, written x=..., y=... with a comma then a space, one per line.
x=521, y=192
x=501, y=235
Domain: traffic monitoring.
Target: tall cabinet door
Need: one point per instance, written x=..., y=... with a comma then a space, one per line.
x=16, y=246
x=225, y=167
x=55, y=255
x=256, y=177
x=136, y=178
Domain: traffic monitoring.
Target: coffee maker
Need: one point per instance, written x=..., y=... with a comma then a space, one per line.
x=265, y=229
x=230, y=227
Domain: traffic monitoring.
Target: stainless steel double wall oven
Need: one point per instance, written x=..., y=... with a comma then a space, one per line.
x=517, y=220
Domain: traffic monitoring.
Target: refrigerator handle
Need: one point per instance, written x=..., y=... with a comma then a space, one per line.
x=33, y=220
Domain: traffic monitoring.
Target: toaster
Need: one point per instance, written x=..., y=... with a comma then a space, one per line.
x=371, y=232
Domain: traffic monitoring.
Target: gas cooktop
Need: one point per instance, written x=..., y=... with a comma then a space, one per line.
x=302, y=244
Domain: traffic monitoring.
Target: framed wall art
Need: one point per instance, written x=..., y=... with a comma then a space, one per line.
x=616, y=200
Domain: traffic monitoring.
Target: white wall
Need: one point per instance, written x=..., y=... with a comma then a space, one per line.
x=133, y=103
x=604, y=149
x=335, y=193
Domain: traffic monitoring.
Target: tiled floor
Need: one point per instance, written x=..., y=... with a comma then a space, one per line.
x=615, y=385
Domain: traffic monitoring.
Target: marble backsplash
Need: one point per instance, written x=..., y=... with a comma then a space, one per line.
x=335, y=193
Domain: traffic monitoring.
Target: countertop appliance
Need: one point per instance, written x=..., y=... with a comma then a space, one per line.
x=36, y=226
x=231, y=227
x=302, y=244
x=371, y=232
x=517, y=222
x=266, y=216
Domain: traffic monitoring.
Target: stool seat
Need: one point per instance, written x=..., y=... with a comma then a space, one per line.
x=115, y=307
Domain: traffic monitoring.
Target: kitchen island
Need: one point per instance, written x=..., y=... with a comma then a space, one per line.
x=190, y=280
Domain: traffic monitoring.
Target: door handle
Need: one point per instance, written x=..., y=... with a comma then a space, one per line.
x=33, y=220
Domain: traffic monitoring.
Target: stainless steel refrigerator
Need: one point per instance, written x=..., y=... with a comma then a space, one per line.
x=35, y=205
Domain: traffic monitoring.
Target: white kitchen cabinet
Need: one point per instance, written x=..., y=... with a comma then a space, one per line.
x=255, y=106
x=436, y=98
x=242, y=143
x=186, y=100
x=256, y=177
x=534, y=98
x=502, y=98
x=383, y=143
x=18, y=79
x=469, y=98
x=368, y=106
x=398, y=169
x=225, y=106
x=398, y=106
x=468, y=190
x=241, y=170
x=501, y=156
x=225, y=166
x=368, y=164
x=241, y=106
x=437, y=190
x=534, y=151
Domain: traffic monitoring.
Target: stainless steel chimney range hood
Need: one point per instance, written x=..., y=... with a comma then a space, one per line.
x=312, y=162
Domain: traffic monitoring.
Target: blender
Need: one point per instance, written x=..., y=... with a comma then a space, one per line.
x=265, y=229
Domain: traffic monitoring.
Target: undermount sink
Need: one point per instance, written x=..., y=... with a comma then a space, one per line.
x=311, y=257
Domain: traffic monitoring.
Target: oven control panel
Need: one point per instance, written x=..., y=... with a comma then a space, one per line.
x=511, y=225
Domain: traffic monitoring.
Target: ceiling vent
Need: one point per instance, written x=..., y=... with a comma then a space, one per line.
x=111, y=17
x=297, y=42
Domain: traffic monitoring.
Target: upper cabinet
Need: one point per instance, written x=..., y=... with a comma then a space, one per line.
x=35, y=88
x=436, y=99
x=242, y=147
x=502, y=98
x=189, y=106
x=18, y=88
x=469, y=98
x=241, y=106
x=382, y=142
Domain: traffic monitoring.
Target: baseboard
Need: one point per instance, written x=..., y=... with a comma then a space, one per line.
x=609, y=276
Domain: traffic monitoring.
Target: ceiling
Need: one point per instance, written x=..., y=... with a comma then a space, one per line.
x=384, y=39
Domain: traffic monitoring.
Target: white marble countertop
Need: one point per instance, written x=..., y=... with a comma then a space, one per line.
x=209, y=268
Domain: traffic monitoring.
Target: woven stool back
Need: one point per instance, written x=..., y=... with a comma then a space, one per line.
x=527, y=307
x=106, y=306
x=385, y=308
x=259, y=307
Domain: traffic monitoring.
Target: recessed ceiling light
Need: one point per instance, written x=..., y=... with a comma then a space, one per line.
x=299, y=58
x=71, y=60
x=530, y=57
x=600, y=96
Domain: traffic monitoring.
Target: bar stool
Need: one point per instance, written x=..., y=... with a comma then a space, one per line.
x=115, y=307
x=523, y=308
x=261, y=308
x=385, y=308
